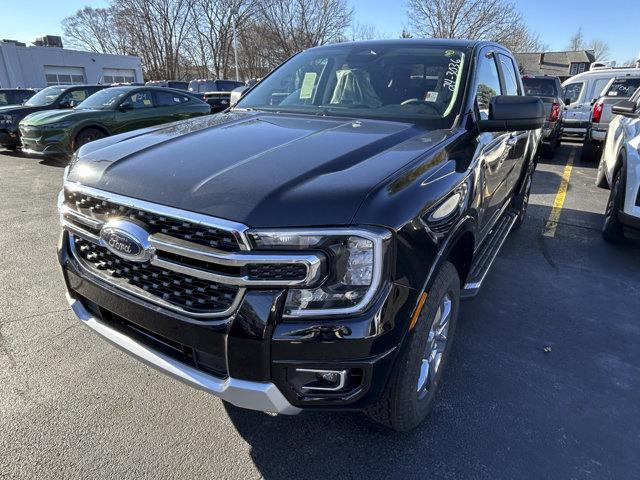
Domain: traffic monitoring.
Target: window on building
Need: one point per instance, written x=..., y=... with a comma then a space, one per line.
x=59, y=75
x=118, y=75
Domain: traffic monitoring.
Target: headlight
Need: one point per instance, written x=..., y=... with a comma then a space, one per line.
x=356, y=263
x=6, y=120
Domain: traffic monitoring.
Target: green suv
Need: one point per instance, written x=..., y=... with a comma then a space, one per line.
x=108, y=112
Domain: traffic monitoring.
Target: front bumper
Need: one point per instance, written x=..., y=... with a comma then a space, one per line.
x=254, y=352
x=263, y=396
x=45, y=142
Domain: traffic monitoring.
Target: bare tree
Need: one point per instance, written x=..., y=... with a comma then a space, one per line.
x=293, y=25
x=576, y=42
x=600, y=49
x=96, y=30
x=364, y=31
x=473, y=19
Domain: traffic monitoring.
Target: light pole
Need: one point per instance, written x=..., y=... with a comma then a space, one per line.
x=233, y=12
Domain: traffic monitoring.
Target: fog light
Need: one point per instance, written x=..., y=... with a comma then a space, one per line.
x=321, y=380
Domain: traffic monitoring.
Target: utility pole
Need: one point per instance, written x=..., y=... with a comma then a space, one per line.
x=233, y=12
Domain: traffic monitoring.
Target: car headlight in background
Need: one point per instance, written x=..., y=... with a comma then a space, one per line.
x=6, y=120
x=356, y=264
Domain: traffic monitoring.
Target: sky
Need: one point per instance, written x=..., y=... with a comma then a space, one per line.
x=554, y=20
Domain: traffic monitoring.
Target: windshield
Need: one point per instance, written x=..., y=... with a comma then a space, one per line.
x=623, y=87
x=540, y=87
x=104, y=99
x=46, y=96
x=396, y=82
x=202, y=86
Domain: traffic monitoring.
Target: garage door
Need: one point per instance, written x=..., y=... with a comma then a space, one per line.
x=118, y=75
x=58, y=75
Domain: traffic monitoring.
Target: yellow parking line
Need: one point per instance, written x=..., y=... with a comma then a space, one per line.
x=552, y=222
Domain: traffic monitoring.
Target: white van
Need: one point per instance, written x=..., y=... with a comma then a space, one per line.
x=579, y=93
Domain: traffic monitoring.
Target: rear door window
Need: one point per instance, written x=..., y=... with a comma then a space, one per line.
x=572, y=92
x=512, y=86
x=168, y=99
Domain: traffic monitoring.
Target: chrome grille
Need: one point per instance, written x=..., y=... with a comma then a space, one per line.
x=197, y=265
x=103, y=210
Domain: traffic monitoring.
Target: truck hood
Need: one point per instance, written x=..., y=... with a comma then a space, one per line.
x=260, y=169
x=56, y=116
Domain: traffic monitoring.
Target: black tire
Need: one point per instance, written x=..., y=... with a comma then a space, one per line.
x=521, y=202
x=87, y=135
x=403, y=406
x=612, y=229
x=591, y=151
x=601, y=177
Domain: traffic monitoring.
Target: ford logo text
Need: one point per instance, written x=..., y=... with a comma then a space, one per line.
x=127, y=239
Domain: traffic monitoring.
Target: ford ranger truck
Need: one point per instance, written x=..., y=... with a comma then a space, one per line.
x=308, y=248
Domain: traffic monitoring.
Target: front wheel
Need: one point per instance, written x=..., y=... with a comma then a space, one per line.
x=612, y=229
x=416, y=376
x=521, y=202
x=87, y=135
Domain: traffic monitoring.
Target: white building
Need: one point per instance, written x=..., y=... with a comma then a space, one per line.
x=32, y=66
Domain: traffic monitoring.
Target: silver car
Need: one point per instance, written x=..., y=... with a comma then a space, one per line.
x=617, y=89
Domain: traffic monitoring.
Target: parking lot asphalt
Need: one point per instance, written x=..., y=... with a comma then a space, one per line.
x=543, y=382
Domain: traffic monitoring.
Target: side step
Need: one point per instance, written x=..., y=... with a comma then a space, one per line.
x=484, y=257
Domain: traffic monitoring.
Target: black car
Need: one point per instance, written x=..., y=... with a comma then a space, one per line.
x=308, y=248
x=177, y=84
x=15, y=96
x=50, y=98
x=548, y=89
x=217, y=93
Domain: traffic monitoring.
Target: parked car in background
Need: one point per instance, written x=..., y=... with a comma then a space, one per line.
x=619, y=170
x=50, y=98
x=309, y=248
x=549, y=90
x=177, y=84
x=108, y=112
x=15, y=96
x=580, y=93
x=618, y=88
x=216, y=93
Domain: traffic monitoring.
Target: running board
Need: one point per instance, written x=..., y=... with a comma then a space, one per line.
x=484, y=257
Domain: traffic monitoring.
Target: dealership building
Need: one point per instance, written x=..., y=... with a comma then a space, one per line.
x=46, y=63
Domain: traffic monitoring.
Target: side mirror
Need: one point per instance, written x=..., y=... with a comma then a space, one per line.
x=73, y=104
x=125, y=107
x=65, y=104
x=567, y=101
x=237, y=94
x=625, y=108
x=513, y=112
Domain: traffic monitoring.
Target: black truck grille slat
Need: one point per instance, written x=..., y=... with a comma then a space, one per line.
x=200, y=234
x=191, y=294
x=277, y=271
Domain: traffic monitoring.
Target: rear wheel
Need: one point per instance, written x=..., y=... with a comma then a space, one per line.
x=416, y=376
x=612, y=230
x=591, y=151
x=87, y=135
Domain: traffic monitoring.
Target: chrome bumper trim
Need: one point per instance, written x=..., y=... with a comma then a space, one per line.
x=242, y=393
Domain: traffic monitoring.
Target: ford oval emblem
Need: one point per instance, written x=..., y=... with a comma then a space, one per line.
x=127, y=239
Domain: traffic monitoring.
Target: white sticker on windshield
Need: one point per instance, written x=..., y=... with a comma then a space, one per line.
x=613, y=94
x=431, y=97
x=307, y=85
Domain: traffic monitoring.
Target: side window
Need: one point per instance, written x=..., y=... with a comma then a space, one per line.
x=168, y=99
x=572, y=92
x=510, y=76
x=598, y=86
x=140, y=100
x=488, y=84
x=79, y=95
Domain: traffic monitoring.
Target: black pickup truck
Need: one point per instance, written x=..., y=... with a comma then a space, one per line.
x=316, y=257
x=216, y=93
